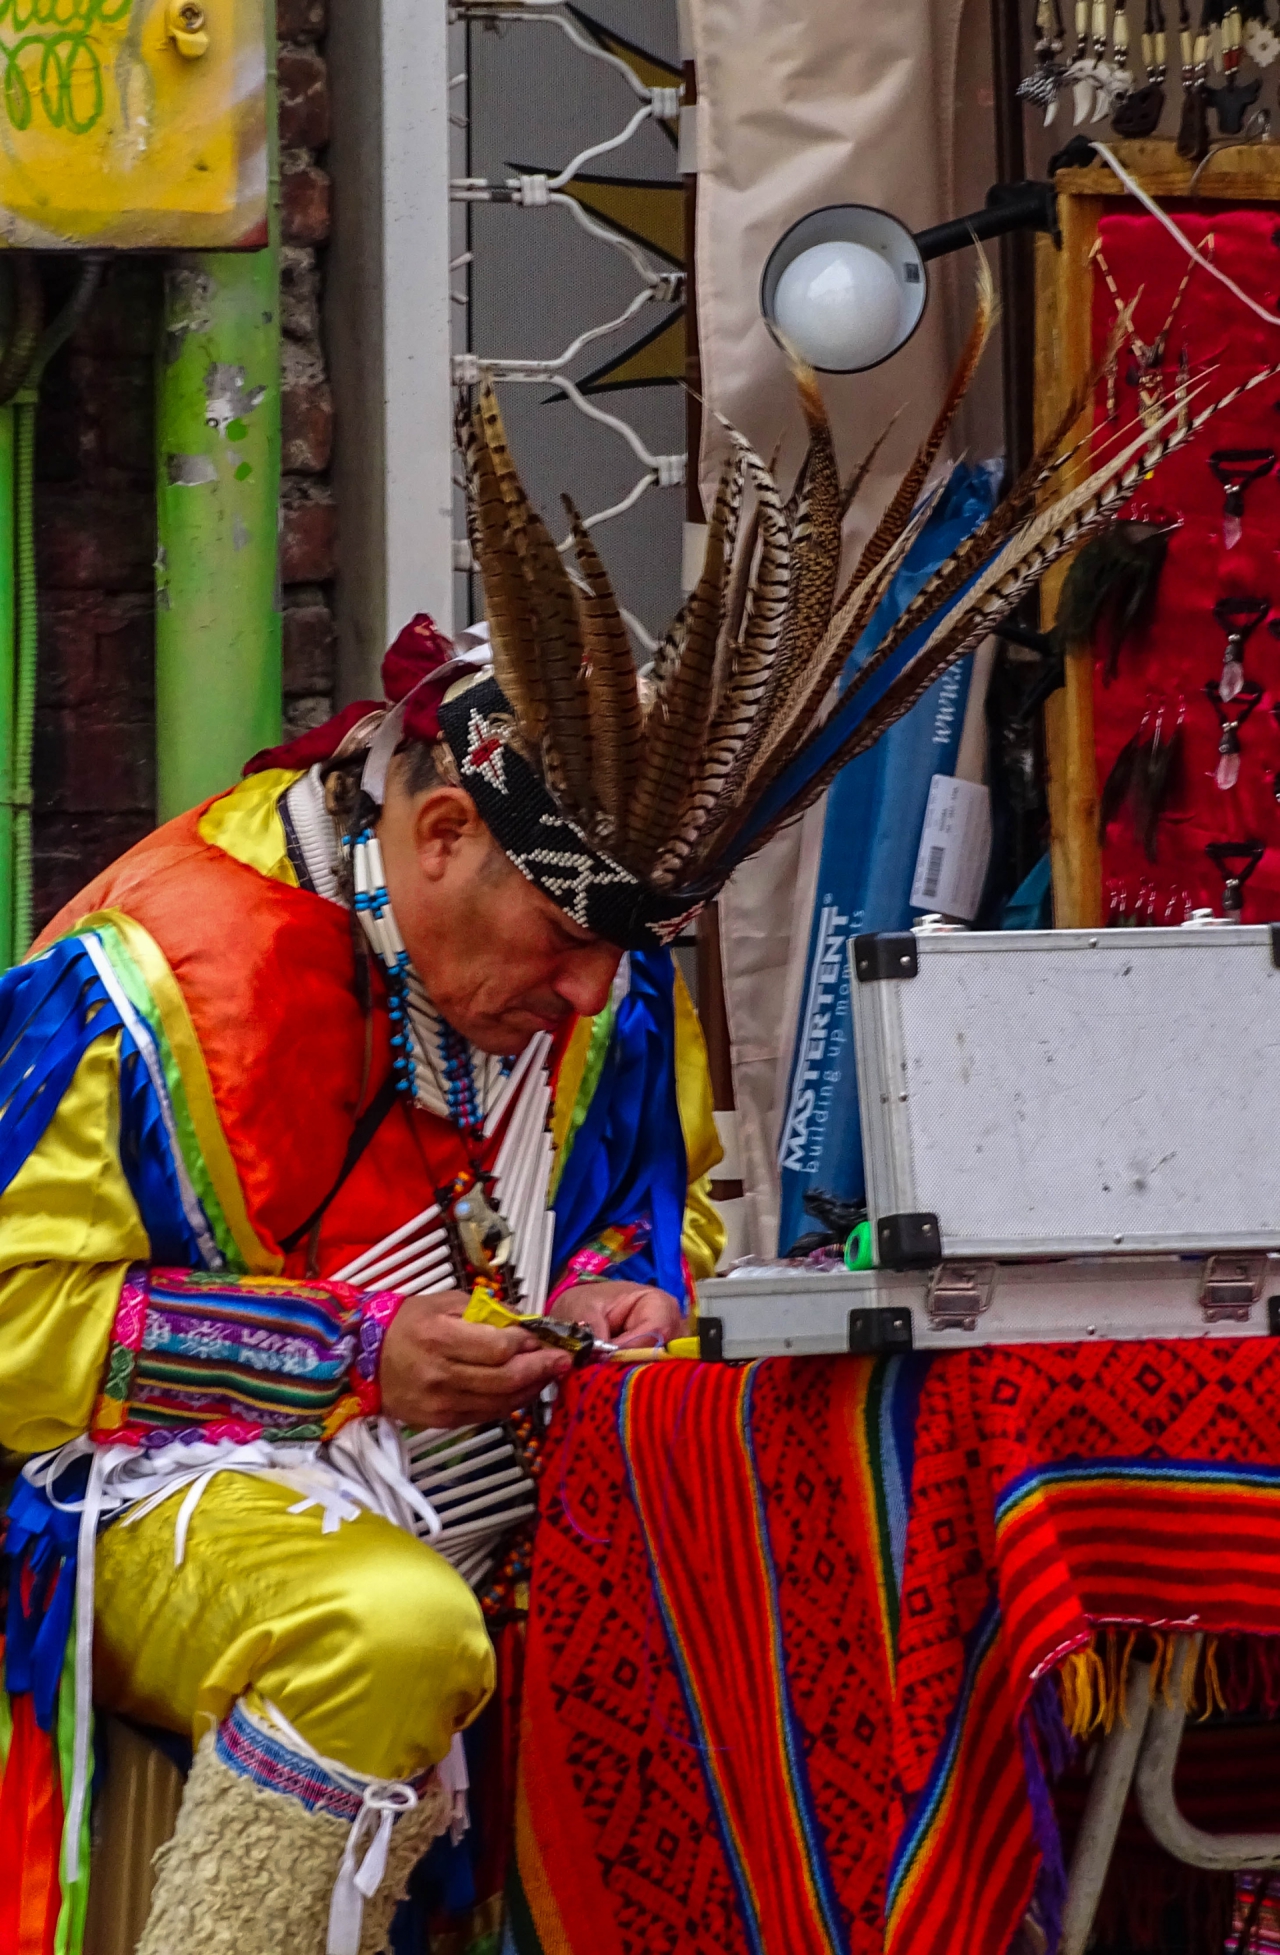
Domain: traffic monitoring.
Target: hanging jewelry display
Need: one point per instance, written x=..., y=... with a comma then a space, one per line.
x=1138, y=112
x=1261, y=42
x=1239, y=617
x=1193, y=129
x=1163, y=763
x=1235, y=863
x=1232, y=102
x=1119, y=85
x=1227, y=772
x=1237, y=469
x=1083, y=67
x=1144, y=774
x=1043, y=88
x=1103, y=72
x=1147, y=371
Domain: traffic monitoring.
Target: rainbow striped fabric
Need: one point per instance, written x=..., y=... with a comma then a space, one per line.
x=200, y=1356
x=797, y=1629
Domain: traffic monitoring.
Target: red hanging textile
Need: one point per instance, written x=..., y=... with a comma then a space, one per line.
x=30, y=1837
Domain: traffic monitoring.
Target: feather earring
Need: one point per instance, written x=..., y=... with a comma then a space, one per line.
x=1109, y=588
x=1163, y=765
x=1116, y=787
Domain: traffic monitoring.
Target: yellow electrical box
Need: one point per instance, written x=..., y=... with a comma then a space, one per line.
x=133, y=123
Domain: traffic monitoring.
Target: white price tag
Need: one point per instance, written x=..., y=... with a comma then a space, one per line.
x=955, y=847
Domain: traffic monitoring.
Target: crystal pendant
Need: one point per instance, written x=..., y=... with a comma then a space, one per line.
x=1232, y=680
x=1231, y=531
x=1228, y=770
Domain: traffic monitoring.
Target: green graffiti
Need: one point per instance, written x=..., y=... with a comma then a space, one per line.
x=52, y=59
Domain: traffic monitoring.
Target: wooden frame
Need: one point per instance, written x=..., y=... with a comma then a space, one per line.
x=1064, y=303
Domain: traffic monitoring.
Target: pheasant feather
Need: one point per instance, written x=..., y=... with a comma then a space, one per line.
x=563, y=728
x=677, y=721
x=997, y=590
x=507, y=600
x=737, y=712
x=890, y=525
x=613, y=697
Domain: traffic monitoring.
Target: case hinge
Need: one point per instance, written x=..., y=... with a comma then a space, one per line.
x=959, y=1293
x=1230, y=1288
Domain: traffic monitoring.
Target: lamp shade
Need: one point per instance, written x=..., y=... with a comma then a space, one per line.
x=846, y=286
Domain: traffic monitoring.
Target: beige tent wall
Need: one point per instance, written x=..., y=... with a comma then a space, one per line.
x=803, y=103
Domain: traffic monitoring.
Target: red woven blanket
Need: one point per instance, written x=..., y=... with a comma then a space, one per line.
x=789, y=1624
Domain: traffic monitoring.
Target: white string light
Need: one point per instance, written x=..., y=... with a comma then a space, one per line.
x=543, y=369
x=541, y=10
x=538, y=189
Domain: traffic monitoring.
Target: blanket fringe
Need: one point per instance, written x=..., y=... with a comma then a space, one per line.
x=1095, y=1680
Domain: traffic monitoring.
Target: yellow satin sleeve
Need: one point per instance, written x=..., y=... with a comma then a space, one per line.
x=703, y=1235
x=69, y=1229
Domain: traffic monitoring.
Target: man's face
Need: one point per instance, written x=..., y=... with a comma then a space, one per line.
x=499, y=959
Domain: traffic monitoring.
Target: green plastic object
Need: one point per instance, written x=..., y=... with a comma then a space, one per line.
x=857, y=1248
x=218, y=656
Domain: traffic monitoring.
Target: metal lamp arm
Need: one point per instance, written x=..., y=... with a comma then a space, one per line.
x=1009, y=207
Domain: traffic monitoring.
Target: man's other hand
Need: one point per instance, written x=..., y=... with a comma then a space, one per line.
x=437, y=1370
x=630, y=1315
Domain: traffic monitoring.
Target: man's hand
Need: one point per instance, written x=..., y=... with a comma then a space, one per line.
x=437, y=1370
x=628, y=1314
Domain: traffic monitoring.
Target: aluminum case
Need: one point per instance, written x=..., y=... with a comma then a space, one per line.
x=1067, y=1134
x=1058, y=1092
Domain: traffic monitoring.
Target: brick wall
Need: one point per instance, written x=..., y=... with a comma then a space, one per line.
x=95, y=513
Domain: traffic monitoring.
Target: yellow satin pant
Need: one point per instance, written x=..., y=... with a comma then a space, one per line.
x=367, y=1640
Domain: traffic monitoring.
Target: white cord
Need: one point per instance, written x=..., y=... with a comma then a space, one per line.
x=669, y=469
x=568, y=28
x=1207, y=264
x=542, y=369
x=570, y=170
x=583, y=218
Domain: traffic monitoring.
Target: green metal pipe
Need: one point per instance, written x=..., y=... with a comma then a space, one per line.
x=8, y=682
x=28, y=633
x=218, y=653
x=19, y=649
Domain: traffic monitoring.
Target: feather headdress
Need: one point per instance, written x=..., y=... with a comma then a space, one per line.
x=632, y=814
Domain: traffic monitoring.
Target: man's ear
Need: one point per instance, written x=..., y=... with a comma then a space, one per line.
x=446, y=825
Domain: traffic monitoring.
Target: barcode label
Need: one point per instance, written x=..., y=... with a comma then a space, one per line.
x=955, y=843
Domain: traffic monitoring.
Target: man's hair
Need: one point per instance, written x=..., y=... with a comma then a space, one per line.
x=421, y=767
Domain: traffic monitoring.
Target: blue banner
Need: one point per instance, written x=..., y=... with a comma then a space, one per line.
x=871, y=836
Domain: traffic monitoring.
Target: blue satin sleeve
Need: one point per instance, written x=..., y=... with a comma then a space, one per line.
x=627, y=1163
x=51, y=1011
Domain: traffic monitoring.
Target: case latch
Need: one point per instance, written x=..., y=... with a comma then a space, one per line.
x=1230, y=1288
x=959, y=1293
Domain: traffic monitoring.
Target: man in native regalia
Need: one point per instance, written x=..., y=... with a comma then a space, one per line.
x=326, y=1098
x=249, y=1078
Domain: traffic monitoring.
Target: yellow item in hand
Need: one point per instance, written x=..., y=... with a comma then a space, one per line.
x=486, y=1307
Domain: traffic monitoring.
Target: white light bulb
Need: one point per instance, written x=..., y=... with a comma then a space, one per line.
x=840, y=305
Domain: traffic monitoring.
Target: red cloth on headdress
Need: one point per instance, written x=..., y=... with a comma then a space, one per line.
x=420, y=650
